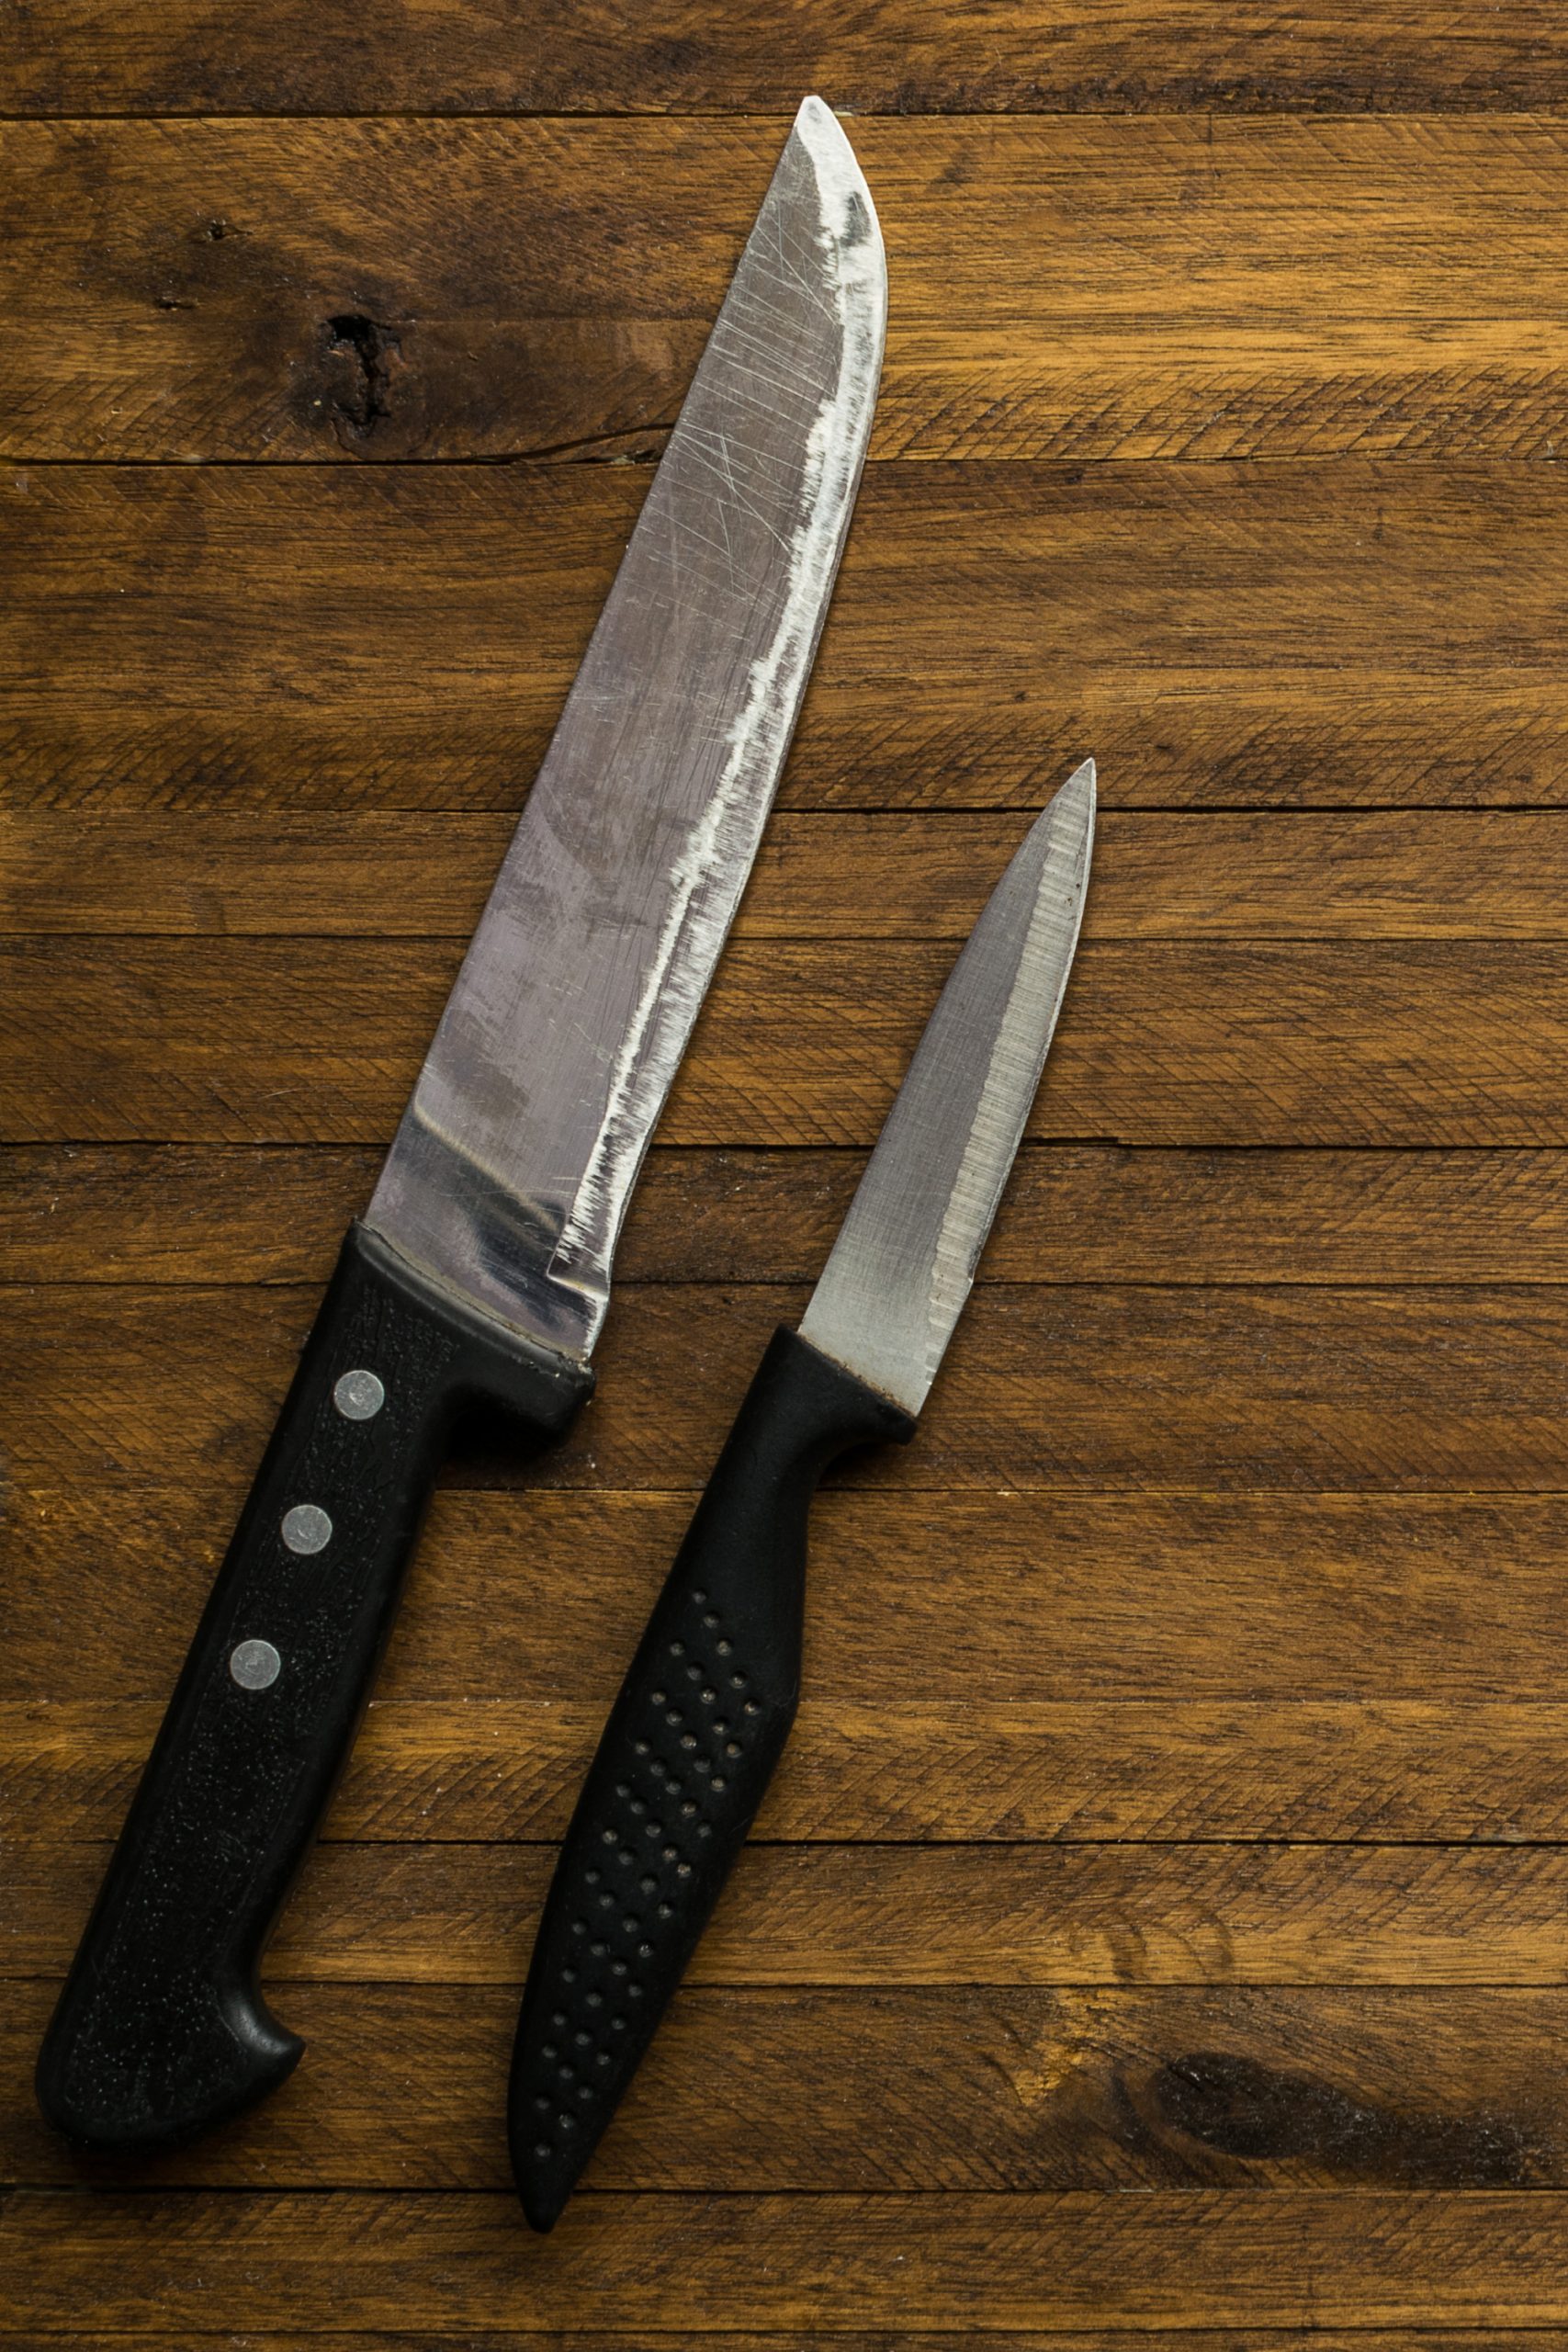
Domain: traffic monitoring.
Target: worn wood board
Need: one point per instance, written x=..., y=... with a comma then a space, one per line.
x=1156, y=1940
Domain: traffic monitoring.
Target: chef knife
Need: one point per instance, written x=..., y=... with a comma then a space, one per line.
x=707, y=1702
x=481, y=1268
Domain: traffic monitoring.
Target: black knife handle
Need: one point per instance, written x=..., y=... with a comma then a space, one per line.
x=161, y=2031
x=686, y=1755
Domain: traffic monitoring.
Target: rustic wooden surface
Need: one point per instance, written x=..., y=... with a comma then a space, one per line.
x=1156, y=1940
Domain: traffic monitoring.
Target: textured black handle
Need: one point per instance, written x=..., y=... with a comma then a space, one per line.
x=688, y=1751
x=161, y=2031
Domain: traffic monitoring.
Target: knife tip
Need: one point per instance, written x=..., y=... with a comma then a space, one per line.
x=1082, y=786
x=1072, y=805
x=851, y=213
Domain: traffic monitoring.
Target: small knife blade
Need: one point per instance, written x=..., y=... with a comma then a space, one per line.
x=482, y=1268
x=707, y=1702
x=905, y=1256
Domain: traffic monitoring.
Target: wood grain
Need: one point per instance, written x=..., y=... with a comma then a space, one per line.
x=1336, y=1042
x=1095, y=1388
x=148, y=1214
x=1120, y=1914
x=400, y=638
x=899, y=56
x=949, y=1765
x=1365, y=874
x=1173, y=2259
x=1114, y=2339
x=1159, y=287
x=1007, y=1600
x=1154, y=1941
x=856, y=2341
x=973, y=2089
x=1010, y=1599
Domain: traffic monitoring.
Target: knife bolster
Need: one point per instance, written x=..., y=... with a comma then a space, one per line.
x=684, y=1760
x=161, y=2031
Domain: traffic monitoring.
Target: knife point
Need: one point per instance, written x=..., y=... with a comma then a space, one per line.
x=1081, y=790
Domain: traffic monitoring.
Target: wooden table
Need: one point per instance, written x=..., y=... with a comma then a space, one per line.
x=1158, y=1937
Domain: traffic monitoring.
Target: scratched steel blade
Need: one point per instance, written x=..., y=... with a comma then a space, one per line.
x=904, y=1257
x=511, y=1171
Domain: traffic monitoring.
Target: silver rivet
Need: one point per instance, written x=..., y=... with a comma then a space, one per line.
x=359, y=1396
x=255, y=1666
x=307, y=1528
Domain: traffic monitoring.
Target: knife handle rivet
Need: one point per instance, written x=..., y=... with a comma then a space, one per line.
x=359, y=1396
x=307, y=1528
x=254, y=1665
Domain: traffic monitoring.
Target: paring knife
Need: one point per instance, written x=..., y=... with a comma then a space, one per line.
x=707, y=1706
x=481, y=1270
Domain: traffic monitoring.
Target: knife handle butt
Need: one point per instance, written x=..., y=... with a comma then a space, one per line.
x=686, y=1756
x=160, y=2031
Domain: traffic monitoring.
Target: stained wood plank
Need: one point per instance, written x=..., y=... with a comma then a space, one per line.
x=1366, y=875
x=1086, y=1915
x=149, y=1214
x=1425, y=2339
x=1213, y=2258
x=402, y=637
x=1115, y=2339
x=1168, y=287
x=971, y=2089
x=947, y=1765
x=1338, y=1042
x=73, y=58
x=1095, y=1388
x=1048, y=1600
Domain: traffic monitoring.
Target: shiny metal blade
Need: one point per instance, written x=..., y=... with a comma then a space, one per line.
x=509, y=1173
x=904, y=1257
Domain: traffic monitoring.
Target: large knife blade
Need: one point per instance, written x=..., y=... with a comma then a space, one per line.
x=708, y=1701
x=482, y=1267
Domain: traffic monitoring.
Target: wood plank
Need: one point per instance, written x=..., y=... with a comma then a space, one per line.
x=1115, y=2339
x=1176, y=2258
x=404, y=2087
x=1425, y=2339
x=1097, y=1388
x=1120, y=1914
x=1159, y=287
x=1332, y=1042
x=402, y=637
x=1046, y=1600
x=1096, y=57
x=948, y=1766
x=1386, y=873
x=169, y=1212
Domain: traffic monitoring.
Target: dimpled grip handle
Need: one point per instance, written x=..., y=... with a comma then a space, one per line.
x=161, y=2031
x=688, y=1751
